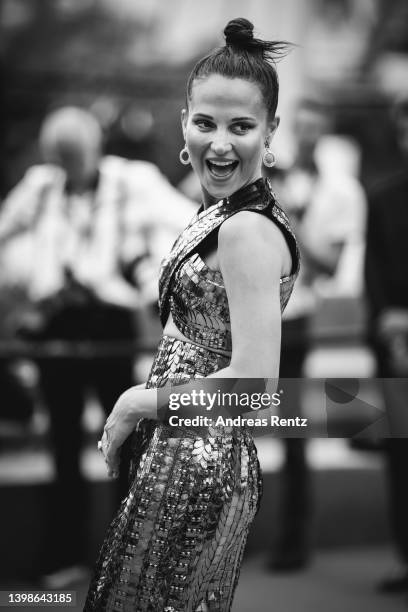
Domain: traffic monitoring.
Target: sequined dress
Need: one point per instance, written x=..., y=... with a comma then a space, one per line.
x=177, y=541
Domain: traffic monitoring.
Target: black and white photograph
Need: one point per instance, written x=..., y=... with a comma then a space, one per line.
x=204, y=305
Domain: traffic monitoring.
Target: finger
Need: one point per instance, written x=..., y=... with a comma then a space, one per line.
x=104, y=445
x=105, y=439
x=113, y=474
x=113, y=460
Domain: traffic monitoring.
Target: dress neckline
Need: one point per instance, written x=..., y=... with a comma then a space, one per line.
x=254, y=191
x=257, y=190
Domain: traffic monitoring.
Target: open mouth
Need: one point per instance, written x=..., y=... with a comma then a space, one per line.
x=221, y=169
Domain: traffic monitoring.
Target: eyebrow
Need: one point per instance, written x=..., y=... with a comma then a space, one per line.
x=243, y=119
x=202, y=115
x=233, y=119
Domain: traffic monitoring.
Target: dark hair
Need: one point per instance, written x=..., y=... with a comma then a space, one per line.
x=245, y=57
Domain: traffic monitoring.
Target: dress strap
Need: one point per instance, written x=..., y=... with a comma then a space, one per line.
x=258, y=197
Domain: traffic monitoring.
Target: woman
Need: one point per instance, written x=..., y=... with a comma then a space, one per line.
x=177, y=542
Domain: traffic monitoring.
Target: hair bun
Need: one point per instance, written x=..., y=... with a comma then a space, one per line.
x=239, y=33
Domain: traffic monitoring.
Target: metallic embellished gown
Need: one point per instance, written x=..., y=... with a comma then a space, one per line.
x=177, y=541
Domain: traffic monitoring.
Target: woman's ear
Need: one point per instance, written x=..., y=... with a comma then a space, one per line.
x=184, y=117
x=272, y=127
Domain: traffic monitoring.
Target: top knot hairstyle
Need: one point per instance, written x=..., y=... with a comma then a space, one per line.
x=244, y=57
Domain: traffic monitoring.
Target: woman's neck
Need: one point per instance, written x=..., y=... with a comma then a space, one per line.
x=209, y=200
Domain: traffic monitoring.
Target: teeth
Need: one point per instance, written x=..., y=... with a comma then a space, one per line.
x=220, y=163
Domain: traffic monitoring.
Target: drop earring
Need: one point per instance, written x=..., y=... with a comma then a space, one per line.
x=268, y=158
x=184, y=156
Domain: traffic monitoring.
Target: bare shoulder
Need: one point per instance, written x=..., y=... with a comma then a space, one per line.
x=249, y=233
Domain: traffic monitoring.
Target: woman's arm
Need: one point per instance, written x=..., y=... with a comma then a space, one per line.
x=253, y=255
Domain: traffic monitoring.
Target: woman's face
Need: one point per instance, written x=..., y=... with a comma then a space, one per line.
x=225, y=129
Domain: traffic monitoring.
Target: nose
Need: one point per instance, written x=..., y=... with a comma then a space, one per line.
x=221, y=144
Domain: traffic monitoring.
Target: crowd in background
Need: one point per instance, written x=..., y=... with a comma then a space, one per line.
x=93, y=199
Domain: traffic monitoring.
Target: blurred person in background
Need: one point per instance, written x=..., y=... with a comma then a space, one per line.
x=97, y=229
x=178, y=539
x=326, y=207
x=387, y=294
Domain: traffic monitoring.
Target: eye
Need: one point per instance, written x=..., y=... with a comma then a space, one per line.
x=203, y=124
x=242, y=128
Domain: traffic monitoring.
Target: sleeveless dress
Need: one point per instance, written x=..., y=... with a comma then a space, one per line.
x=177, y=541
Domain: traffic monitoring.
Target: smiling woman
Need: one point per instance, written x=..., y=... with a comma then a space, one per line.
x=178, y=539
x=226, y=128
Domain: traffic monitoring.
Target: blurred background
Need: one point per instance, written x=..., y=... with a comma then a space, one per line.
x=322, y=540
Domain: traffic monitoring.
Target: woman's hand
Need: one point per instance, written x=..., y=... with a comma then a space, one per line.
x=119, y=425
